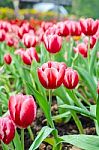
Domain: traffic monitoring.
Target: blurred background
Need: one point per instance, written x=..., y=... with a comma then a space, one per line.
x=48, y=9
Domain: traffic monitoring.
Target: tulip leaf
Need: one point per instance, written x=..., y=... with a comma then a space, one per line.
x=88, y=80
x=86, y=142
x=97, y=111
x=42, y=101
x=79, y=110
x=45, y=131
x=17, y=141
x=93, y=57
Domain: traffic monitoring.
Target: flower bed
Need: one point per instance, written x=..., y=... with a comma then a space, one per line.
x=49, y=84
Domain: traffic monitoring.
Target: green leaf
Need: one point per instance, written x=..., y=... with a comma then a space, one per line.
x=79, y=110
x=93, y=57
x=86, y=142
x=42, y=101
x=17, y=142
x=45, y=131
x=89, y=81
x=97, y=111
x=4, y=146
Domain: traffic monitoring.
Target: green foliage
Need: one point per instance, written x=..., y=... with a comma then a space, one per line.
x=86, y=8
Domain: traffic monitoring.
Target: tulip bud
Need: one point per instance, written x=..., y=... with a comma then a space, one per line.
x=89, y=26
x=51, y=74
x=92, y=41
x=7, y=130
x=75, y=28
x=7, y=59
x=71, y=78
x=81, y=49
x=22, y=110
x=53, y=43
x=63, y=29
x=2, y=35
x=29, y=55
x=29, y=40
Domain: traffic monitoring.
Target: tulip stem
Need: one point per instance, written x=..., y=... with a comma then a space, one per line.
x=31, y=133
x=55, y=132
x=89, y=50
x=22, y=138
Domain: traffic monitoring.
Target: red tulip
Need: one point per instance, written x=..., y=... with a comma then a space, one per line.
x=75, y=28
x=92, y=41
x=46, y=25
x=89, y=26
x=22, y=30
x=63, y=29
x=51, y=74
x=29, y=40
x=7, y=59
x=53, y=43
x=10, y=42
x=81, y=49
x=7, y=130
x=71, y=78
x=22, y=110
x=2, y=35
x=29, y=55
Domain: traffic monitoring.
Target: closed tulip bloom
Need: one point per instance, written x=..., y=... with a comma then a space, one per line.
x=63, y=29
x=10, y=42
x=89, y=26
x=75, y=28
x=51, y=74
x=7, y=59
x=29, y=55
x=82, y=49
x=7, y=130
x=22, y=110
x=29, y=40
x=2, y=35
x=71, y=78
x=53, y=43
x=92, y=41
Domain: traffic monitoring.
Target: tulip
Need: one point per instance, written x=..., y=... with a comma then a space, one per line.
x=46, y=25
x=51, y=74
x=89, y=26
x=92, y=41
x=71, y=78
x=29, y=55
x=53, y=43
x=7, y=59
x=10, y=42
x=75, y=28
x=63, y=29
x=2, y=35
x=22, y=110
x=29, y=40
x=81, y=49
x=7, y=129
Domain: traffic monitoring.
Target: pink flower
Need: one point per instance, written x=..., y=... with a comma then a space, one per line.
x=71, y=78
x=7, y=130
x=51, y=74
x=89, y=26
x=81, y=49
x=22, y=110
x=53, y=43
